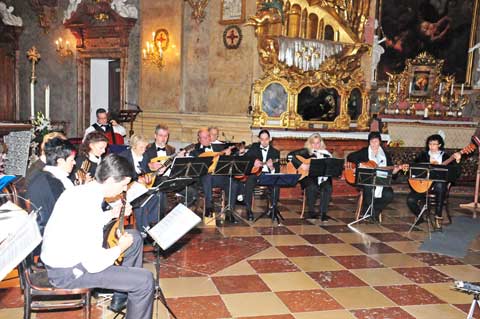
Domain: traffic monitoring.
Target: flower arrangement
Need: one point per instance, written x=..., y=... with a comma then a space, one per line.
x=41, y=127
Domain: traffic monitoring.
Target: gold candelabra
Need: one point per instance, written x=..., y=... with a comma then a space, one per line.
x=63, y=50
x=153, y=52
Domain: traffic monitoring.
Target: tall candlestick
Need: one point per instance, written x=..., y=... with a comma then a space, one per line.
x=32, y=100
x=451, y=88
x=398, y=87
x=388, y=86
x=47, y=102
x=410, y=88
x=440, y=88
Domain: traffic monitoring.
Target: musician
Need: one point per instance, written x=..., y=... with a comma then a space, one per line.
x=160, y=147
x=374, y=152
x=89, y=156
x=213, y=131
x=48, y=183
x=104, y=125
x=209, y=181
x=314, y=148
x=148, y=214
x=434, y=153
x=73, y=250
x=264, y=155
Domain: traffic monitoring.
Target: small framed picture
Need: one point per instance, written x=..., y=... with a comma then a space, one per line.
x=232, y=11
x=422, y=80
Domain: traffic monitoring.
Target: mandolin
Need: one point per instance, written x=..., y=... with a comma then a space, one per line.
x=216, y=156
x=421, y=186
x=255, y=171
x=349, y=172
x=166, y=161
x=115, y=228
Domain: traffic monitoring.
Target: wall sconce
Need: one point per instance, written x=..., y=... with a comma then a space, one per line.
x=153, y=52
x=63, y=50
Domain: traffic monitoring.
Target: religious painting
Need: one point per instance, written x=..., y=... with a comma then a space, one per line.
x=442, y=28
x=354, y=105
x=232, y=12
x=318, y=104
x=274, y=100
x=421, y=81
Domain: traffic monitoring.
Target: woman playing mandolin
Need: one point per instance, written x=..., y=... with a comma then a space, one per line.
x=434, y=154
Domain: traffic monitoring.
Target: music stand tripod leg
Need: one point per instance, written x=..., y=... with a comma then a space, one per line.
x=369, y=212
x=420, y=215
x=228, y=211
x=475, y=302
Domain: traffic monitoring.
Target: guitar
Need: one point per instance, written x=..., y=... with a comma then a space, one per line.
x=166, y=161
x=421, y=186
x=115, y=229
x=216, y=156
x=349, y=172
x=301, y=171
x=255, y=171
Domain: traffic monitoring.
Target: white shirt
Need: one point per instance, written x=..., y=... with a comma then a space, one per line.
x=116, y=129
x=136, y=162
x=435, y=157
x=161, y=153
x=74, y=232
x=59, y=174
x=381, y=159
x=264, y=151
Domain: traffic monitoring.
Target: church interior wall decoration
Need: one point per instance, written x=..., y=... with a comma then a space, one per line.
x=232, y=37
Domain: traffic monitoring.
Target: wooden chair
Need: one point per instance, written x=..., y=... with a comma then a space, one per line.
x=39, y=294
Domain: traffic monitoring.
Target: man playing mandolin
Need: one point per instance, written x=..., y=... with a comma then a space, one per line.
x=73, y=250
x=434, y=154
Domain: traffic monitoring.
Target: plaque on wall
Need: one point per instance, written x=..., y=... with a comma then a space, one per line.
x=18, y=144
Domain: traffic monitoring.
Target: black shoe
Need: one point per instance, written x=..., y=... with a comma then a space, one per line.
x=325, y=218
x=311, y=215
x=230, y=218
x=249, y=215
x=119, y=302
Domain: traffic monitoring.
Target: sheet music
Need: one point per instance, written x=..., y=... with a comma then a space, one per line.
x=134, y=191
x=22, y=236
x=173, y=226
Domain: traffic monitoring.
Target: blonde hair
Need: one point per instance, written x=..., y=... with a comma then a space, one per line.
x=135, y=139
x=309, y=141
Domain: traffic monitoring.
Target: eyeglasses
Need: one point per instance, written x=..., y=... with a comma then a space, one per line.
x=433, y=144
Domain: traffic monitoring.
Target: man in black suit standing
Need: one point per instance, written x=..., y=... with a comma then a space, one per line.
x=267, y=160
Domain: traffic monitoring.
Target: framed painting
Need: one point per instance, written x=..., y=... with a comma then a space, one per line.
x=232, y=11
x=318, y=104
x=274, y=100
x=443, y=28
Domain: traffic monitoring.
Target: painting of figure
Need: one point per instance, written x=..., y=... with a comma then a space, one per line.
x=318, y=104
x=439, y=27
x=274, y=100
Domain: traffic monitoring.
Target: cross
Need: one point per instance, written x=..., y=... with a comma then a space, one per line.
x=232, y=36
x=162, y=37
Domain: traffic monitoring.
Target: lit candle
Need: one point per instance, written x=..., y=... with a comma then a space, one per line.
x=388, y=86
x=153, y=36
x=410, y=88
x=398, y=87
x=32, y=102
x=451, y=88
x=58, y=45
x=425, y=113
x=67, y=44
x=440, y=88
x=144, y=53
x=461, y=90
x=47, y=102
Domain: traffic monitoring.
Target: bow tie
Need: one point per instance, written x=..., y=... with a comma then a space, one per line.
x=161, y=149
x=209, y=146
x=264, y=148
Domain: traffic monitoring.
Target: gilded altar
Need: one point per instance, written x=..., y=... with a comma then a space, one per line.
x=310, y=52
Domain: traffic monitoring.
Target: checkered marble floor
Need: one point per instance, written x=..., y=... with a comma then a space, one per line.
x=304, y=269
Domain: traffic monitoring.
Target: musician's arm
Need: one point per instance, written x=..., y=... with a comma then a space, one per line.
x=293, y=156
x=355, y=157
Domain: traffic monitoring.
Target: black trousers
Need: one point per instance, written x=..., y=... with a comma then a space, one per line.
x=379, y=203
x=250, y=184
x=324, y=190
x=129, y=278
x=415, y=201
x=210, y=181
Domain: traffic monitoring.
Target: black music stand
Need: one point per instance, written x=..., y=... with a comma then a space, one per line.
x=129, y=116
x=371, y=177
x=193, y=167
x=276, y=180
x=232, y=166
x=328, y=167
x=429, y=173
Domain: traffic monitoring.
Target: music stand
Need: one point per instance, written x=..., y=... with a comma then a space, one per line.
x=128, y=116
x=428, y=173
x=277, y=180
x=328, y=167
x=232, y=166
x=371, y=177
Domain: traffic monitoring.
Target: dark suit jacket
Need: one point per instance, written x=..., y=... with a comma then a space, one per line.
x=43, y=191
x=296, y=162
x=256, y=152
x=454, y=169
x=199, y=149
x=143, y=164
x=151, y=151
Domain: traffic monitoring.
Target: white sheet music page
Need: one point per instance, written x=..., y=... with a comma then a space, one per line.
x=134, y=191
x=173, y=226
x=19, y=236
